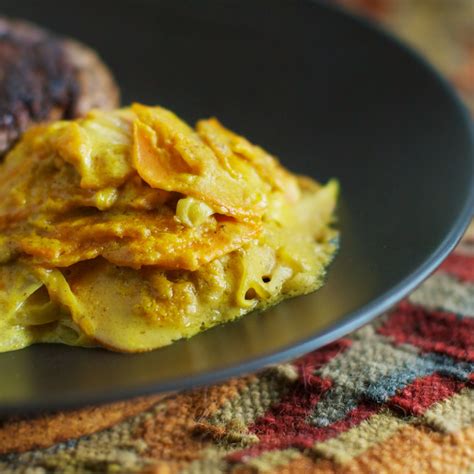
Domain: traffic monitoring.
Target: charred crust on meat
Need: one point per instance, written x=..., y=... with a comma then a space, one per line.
x=44, y=77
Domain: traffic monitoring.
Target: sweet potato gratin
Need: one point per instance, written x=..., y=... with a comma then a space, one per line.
x=130, y=230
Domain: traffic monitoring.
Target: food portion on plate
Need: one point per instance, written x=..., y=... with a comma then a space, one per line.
x=45, y=77
x=128, y=229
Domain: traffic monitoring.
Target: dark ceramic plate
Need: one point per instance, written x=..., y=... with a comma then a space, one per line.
x=331, y=96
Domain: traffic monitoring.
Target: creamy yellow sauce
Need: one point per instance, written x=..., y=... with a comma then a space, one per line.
x=130, y=230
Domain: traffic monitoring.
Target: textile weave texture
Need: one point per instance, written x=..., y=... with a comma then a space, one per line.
x=396, y=396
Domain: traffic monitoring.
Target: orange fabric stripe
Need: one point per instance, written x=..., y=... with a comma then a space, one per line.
x=413, y=450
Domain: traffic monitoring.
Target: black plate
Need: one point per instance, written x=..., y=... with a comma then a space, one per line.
x=331, y=96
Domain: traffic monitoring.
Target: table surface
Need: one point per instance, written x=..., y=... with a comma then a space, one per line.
x=396, y=396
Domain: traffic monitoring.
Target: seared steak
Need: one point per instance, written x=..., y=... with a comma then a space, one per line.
x=44, y=77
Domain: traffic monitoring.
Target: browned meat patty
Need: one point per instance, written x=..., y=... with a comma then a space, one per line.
x=44, y=77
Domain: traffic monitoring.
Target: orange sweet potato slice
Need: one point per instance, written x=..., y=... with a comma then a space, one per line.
x=169, y=155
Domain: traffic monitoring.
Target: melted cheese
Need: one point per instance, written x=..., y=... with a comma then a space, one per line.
x=130, y=230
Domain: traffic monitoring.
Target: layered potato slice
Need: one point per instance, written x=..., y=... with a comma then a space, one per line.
x=130, y=230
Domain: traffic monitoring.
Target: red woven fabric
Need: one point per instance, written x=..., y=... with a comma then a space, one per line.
x=436, y=331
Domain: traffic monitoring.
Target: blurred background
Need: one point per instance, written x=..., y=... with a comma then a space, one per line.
x=442, y=30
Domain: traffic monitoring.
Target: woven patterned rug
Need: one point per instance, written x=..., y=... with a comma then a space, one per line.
x=397, y=396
